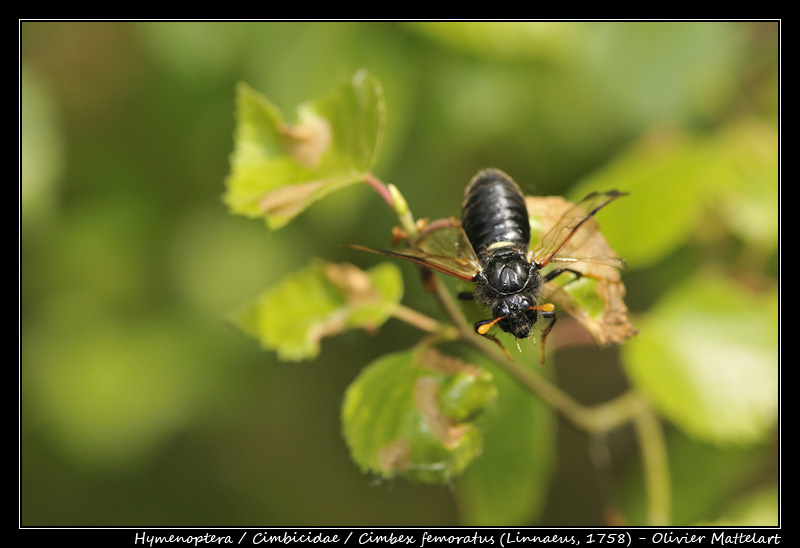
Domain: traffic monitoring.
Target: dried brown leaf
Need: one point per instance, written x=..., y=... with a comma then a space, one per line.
x=613, y=324
x=426, y=398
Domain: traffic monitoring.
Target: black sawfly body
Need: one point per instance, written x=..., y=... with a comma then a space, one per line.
x=495, y=220
x=491, y=247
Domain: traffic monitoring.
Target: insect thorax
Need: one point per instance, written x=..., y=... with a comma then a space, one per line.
x=508, y=283
x=507, y=271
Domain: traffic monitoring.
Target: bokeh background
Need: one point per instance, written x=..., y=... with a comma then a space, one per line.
x=140, y=405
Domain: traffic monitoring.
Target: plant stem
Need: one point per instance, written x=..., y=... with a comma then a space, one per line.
x=627, y=407
x=654, y=460
x=392, y=196
x=378, y=186
x=597, y=419
x=426, y=323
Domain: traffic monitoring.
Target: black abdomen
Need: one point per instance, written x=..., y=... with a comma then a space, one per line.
x=494, y=211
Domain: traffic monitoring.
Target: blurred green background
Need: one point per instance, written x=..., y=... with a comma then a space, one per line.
x=140, y=405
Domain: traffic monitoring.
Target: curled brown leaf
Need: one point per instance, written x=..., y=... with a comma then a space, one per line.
x=434, y=360
x=426, y=398
x=613, y=325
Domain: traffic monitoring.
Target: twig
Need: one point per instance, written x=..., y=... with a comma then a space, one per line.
x=593, y=419
x=426, y=323
x=378, y=186
x=627, y=407
x=654, y=460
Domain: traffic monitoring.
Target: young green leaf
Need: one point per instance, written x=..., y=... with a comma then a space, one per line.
x=750, y=150
x=278, y=169
x=318, y=301
x=508, y=484
x=671, y=178
x=707, y=356
x=676, y=179
x=397, y=416
x=759, y=509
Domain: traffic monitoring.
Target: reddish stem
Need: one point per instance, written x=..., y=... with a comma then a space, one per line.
x=378, y=186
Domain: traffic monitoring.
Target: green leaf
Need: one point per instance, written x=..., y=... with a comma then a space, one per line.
x=675, y=180
x=318, y=301
x=508, y=484
x=671, y=177
x=466, y=394
x=278, y=170
x=707, y=356
x=705, y=478
x=41, y=149
x=395, y=423
x=505, y=39
x=750, y=150
x=759, y=509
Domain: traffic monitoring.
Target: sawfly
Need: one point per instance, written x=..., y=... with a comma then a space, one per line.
x=490, y=247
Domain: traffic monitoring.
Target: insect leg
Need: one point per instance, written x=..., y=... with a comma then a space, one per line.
x=551, y=315
x=578, y=275
x=428, y=279
x=466, y=296
x=483, y=331
x=558, y=271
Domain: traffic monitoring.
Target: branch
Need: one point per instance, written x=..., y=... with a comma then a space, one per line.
x=653, y=448
x=425, y=323
x=627, y=407
x=601, y=418
x=392, y=196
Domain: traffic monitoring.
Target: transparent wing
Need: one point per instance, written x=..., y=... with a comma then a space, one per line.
x=616, y=262
x=442, y=246
x=569, y=224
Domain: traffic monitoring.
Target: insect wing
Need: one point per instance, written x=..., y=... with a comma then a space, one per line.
x=616, y=262
x=569, y=224
x=443, y=247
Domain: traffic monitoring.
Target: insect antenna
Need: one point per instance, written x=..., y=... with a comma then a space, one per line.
x=483, y=326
